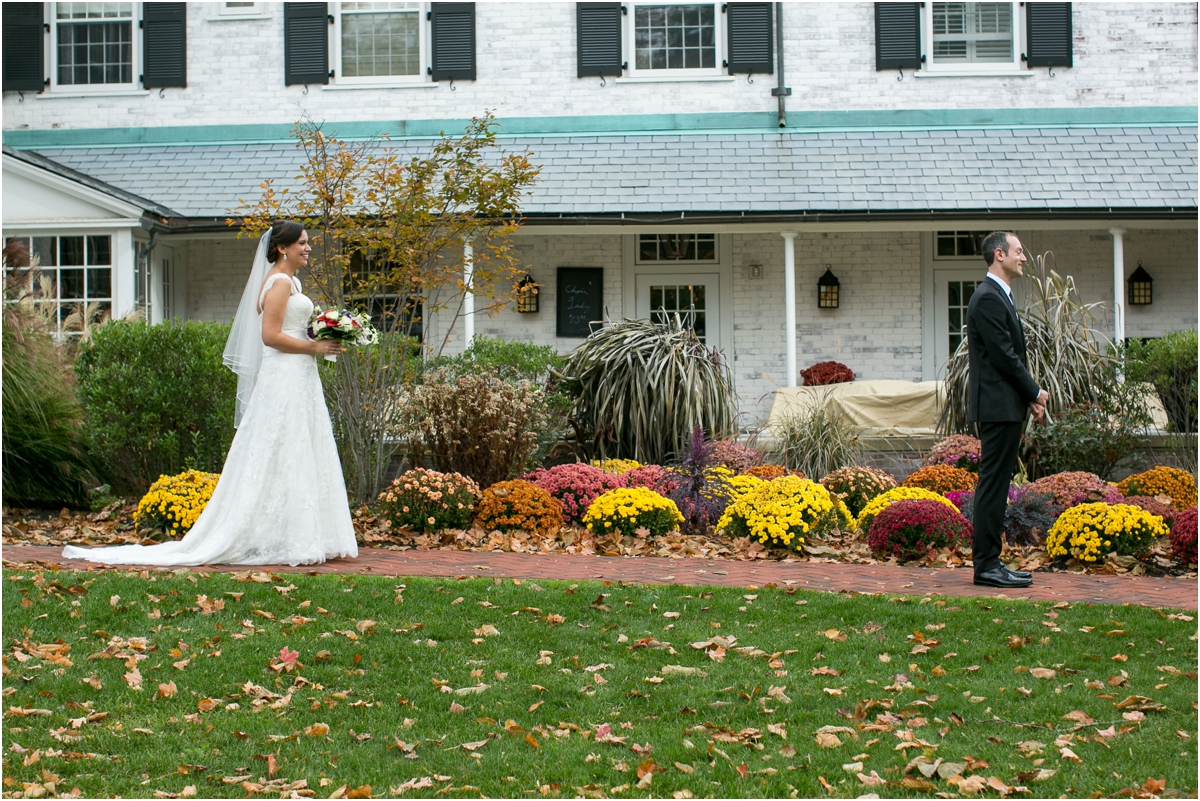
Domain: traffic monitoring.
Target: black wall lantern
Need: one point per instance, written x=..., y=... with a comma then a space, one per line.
x=528, y=294
x=827, y=290
x=1141, y=287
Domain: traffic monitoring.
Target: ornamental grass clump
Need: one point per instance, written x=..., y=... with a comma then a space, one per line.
x=174, y=503
x=427, y=500
x=956, y=450
x=518, y=505
x=1183, y=537
x=1178, y=484
x=857, y=485
x=784, y=511
x=628, y=509
x=908, y=530
x=575, y=486
x=942, y=478
x=881, y=502
x=1074, y=488
x=1089, y=531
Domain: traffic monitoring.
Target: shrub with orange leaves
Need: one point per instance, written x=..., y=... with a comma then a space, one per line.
x=1180, y=485
x=942, y=478
x=519, y=506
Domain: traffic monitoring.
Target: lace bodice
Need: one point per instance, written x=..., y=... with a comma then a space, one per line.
x=299, y=308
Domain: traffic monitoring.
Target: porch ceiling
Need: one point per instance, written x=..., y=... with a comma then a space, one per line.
x=864, y=175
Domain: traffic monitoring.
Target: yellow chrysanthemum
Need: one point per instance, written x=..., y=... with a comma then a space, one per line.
x=783, y=511
x=629, y=508
x=174, y=503
x=616, y=466
x=1089, y=531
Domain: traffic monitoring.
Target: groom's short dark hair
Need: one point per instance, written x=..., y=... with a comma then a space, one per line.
x=994, y=240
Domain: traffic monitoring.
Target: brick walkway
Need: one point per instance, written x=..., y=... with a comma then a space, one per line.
x=820, y=576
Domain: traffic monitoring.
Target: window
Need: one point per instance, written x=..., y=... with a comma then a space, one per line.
x=390, y=311
x=958, y=297
x=239, y=11
x=959, y=244
x=379, y=43
x=979, y=36
x=677, y=247
x=72, y=274
x=94, y=44
x=670, y=38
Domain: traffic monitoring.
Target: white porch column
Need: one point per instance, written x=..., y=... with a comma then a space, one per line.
x=469, y=299
x=1118, y=235
x=789, y=303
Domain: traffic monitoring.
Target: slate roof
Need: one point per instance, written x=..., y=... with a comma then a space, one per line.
x=1149, y=169
x=58, y=168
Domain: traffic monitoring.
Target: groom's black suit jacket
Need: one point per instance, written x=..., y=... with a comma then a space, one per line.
x=999, y=385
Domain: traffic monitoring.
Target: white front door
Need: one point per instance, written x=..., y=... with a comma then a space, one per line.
x=696, y=297
x=952, y=290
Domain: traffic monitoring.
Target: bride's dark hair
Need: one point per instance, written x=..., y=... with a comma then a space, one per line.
x=283, y=234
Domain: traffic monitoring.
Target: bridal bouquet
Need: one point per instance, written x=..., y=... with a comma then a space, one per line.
x=349, y=327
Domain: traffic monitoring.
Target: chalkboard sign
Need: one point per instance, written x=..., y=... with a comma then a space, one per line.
x=580, y=300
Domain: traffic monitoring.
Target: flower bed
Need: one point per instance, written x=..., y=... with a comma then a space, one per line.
x=910, y=530
x=1091, y=530
x=784, y=511
x=174, y=503
x=427, y=500
x=881, y=502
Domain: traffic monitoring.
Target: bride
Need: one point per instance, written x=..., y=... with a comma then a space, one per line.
x=281, y=498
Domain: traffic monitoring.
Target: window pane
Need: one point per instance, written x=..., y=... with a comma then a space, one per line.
x=45, y=251
x=95, y=53
x=656, y=298
x=954, y=294
x=698, y=296
x=70, y=251
x=99, y=283
x=70, y=284
x=99, y=250
x=972, y=32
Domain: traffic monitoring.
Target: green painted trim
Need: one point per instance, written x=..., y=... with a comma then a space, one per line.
x=799, y=121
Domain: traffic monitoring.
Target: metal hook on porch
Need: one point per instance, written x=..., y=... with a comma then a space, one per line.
x=749, y=77
x=160, y=92
x=453, y=88
x=20, y=96
x=1050, y=70
x=901, y=78
x=305, y=90
x=602, y=82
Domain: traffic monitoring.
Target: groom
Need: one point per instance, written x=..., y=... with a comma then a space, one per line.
x=1000, y=392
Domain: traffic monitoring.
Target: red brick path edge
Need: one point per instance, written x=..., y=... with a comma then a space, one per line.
x=1164, y=592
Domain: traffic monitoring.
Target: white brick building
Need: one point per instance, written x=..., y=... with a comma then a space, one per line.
x=1065, y=123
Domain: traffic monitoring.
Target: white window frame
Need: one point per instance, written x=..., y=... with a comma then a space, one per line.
x=340, y=81
x=59, y=303
x=639, y=261
x=221, y=12
x=134, y=85
x=720, y=54
x=931, y=67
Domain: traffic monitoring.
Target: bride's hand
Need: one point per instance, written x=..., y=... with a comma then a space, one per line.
x=328, y=347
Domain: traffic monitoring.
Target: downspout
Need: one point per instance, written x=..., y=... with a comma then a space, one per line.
x=780, y=91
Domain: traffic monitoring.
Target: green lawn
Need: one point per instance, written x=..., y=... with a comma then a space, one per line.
x=462, y=688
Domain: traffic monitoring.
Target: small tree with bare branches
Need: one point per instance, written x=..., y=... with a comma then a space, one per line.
x=388, y=235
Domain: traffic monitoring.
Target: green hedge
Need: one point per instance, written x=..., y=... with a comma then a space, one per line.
x=1169, y=363
x=157, y=399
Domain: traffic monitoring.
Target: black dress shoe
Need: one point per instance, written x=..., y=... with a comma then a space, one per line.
x=1021, y=574
x=1001, y=577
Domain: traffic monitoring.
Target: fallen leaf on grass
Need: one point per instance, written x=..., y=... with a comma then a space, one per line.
x=874, y=780
x=680, y=670
x=828, y=740
x=475, y=746
x=1042, y=673
x=167, y=690
x=317, y=730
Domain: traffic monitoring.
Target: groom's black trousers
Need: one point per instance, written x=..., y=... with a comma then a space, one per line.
x=997, y=463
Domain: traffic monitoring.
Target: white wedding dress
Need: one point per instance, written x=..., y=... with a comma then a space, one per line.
x=281, y=498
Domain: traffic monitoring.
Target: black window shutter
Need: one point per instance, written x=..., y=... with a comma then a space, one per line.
x=24, y=47
x=306, y=43
x=164, y=38
x=1048, y=34
x=598, y=39
x=897, y=36
x=751, y=28
x=452, y=26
